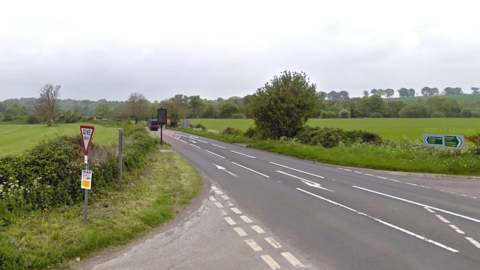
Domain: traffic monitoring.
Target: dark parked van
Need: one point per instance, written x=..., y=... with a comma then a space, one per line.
x=153, y=124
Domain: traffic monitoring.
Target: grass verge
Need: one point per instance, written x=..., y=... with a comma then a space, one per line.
x=55, y=238
x=401, y=156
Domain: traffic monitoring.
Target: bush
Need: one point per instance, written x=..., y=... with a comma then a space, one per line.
x=233, y=131
x=238, y=116
x=8, y=117
x=200, y=126
x=376, y=115
x=344, y=114
x=476, y=114
x=251, y=133
x=32, y=118
x=437, y=115
x=466, y=113
x=331, y=137
x=48, y=175
x=413, y=110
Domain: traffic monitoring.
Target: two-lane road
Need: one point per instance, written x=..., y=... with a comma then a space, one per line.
x=344, y=218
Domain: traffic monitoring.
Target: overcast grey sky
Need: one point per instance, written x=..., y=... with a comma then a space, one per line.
x=109, y=49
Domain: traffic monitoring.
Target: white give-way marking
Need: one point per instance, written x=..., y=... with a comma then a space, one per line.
x=382, y=222
x=305, y=181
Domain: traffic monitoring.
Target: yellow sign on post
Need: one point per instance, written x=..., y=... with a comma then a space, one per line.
x=86, y=179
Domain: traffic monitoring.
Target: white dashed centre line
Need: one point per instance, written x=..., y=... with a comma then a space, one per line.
x=195, y=146
x=219, y=146
x=225, y=197
x=235, y=210
x=230, y=221
x=219, y=192
x=411, y=184
x=442, y=219
x=271, y=262
x=473, y=241
x=214, y=187
x=240, y=231
x=246, y=219
x=291, y=259
x=357, y=172
x=457, y=229
x=253, y=245
x=215, y=154
x=264, y=175
x=272, y=242
x=429, y=210
x=213, y=199
x=381, y=177
x=242, y=154
x=258, y=229
x=201, y=141
x=219, y=205
x=382, y=222
x=293, y=169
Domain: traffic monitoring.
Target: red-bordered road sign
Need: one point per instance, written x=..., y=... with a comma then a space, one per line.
x=87, y=134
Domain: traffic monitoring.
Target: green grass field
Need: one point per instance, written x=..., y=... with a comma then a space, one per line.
x=15, y=139
x=388, y=128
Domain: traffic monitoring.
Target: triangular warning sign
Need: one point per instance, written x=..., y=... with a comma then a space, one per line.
x=87, y=134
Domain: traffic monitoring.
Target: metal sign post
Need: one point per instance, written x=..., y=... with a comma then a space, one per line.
x=87, y=134
x=162, y=120
x=120, y=149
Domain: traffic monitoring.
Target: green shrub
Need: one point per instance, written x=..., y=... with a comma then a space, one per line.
x=32, y=118
x=238, y=116
x=466, y=113
x=344, y=114
x=233, y=131
x=376, y=115
x=331, y=137
x=476, y=114
x=8, y=117
x=200, y=126
x=437, y=115
x=251, y=133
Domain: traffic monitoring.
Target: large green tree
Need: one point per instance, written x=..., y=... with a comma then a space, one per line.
x=283, y=106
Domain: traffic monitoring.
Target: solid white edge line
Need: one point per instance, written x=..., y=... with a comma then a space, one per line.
x=290, y=258
x=270, y=261
x=219, y=146
x=419, y=204
x=214, y=154
x=195, y=146
x=383, y=222
x=296, y=170
x=264, y=175
x=253, y=245
x=242, y=154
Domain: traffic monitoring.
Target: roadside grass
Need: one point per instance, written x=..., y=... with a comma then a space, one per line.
x=387, y=128
x=394, y=156
x=54, y=239
x=15, y=139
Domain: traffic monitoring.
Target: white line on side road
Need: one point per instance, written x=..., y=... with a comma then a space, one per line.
x=457, y=229
x=411, y=184
x=348, y=170
x=219, y=205
x=242, y=154
x=272, y=242
x=381, y=177
x=442, y=219
x=214, y=187
x=201, y=141
x=253, y=245
x=213, y=199
x=224, y=213
x=369, y=174
x=271, y=262
x=473, y=241
x=394, y=180
x=195, y=146
x=264, y=175
x=183, y=141
x=235, y=210
x=229, y=203
x=219, y=146
x=219, y=192
x=258, y=229
x=193, y=141
x=240, y=231
x=383, y=222
x=225, y=197
x=420, y=204
x=229, y=220
x=308, y=182
x=291, y=259
x=357, y=172
x=215, y=154
x=286, y=167
x=246, y=219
